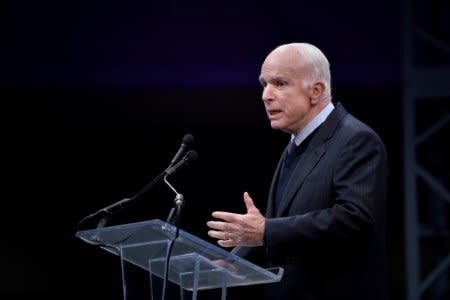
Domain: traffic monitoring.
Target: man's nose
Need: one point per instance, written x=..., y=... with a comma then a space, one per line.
x=267, y=94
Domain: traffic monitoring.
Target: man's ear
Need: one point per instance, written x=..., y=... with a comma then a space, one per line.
x=316, y=91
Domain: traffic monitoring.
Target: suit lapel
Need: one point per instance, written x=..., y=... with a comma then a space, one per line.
x=312, y=155
x=270, y=202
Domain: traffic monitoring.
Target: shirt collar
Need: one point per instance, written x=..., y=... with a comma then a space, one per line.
x=313, y=124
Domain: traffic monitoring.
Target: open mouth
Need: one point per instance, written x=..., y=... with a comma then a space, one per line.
x=273, y=112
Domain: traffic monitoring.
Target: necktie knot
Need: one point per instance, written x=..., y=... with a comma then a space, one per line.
x=291, y=147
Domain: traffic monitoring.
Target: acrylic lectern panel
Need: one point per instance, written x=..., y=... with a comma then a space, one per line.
x=194, y=263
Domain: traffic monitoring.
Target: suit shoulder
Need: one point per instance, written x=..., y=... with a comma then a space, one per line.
x=353, y=131
x=353, y=126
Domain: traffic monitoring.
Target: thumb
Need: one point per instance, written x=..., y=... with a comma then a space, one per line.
x=249, y=202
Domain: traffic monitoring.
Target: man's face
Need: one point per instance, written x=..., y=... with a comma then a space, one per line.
x=285, y=93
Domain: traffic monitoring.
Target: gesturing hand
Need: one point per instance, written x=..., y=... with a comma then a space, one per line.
x=238, y=229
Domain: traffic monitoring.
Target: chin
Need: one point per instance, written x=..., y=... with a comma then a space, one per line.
x=281, y=128
x=273, y=125
x=276, y=126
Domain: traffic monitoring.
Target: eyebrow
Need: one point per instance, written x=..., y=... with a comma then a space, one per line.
x=273, y=78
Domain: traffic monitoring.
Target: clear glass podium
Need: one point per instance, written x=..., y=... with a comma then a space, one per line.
x=194, y=264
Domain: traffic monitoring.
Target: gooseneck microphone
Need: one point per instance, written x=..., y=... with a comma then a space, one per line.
x=179, y=198
x=174, y=217
x=186, y=142
x=100, y=217
x=190, y=156
x=102, y=214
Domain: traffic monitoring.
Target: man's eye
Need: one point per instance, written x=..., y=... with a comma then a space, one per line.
x=279, y=83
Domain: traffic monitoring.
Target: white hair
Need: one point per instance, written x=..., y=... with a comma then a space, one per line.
x=317, y=61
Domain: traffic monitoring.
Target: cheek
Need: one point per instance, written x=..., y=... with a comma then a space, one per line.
x=300, y=105
x=293, y=107
x=298, y=109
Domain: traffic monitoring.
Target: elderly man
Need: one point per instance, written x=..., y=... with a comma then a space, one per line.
x=325, y=216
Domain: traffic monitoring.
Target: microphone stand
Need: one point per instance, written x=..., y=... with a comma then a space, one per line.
x=108, y=211
x=174, y=218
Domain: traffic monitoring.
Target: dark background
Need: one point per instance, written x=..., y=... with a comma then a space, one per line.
x=97, y=95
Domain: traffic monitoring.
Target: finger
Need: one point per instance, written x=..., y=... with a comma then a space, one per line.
x=219, y=225
x=221, y=235
x=226, y=216
x=223, y=226
x=249, y=202
x=226, y=243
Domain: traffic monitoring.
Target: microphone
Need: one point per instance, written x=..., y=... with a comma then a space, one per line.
x=187, y=140
x=190, y=156
x=179, y=198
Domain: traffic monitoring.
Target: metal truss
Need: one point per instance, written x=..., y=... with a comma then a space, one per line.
x=426, y=71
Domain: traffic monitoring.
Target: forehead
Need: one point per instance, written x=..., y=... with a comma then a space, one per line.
x=282, y=63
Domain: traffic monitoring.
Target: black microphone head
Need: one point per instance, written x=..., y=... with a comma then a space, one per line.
x=191, y=155
x=188, y=139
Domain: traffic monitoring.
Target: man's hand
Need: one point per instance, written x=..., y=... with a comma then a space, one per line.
x=239, y=229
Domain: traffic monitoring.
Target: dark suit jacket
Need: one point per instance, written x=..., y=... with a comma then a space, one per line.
x=329, y=231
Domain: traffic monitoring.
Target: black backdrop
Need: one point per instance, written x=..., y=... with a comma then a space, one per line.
x=97, y=96
x=68, y=159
